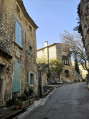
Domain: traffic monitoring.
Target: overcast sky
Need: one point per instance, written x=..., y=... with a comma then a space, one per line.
x=52, y=17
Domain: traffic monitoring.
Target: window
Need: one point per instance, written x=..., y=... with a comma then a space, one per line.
x=65, y=60
x=30, y=50
x=31, y=79
x=18, y=34
x=30, y=28
x=66, y=73
x=17, y=77
x=17, y=9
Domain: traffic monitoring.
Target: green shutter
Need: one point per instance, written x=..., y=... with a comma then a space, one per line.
x=28, y=79
x=34, y=79
x=18, y=34
x=16, y=78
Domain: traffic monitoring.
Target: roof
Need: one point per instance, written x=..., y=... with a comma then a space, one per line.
x=49, y=46
x=20, y=2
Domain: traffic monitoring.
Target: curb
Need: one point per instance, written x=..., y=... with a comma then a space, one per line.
x=15, y=114
x=35, y=106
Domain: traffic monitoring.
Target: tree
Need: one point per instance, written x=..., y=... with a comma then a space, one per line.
x=77, y=51
x=56, y=67
x=79, y=26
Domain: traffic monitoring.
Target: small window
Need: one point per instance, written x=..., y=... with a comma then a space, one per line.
x=66, y=73
x=30, y=28
x=30, y=50
x=18, y=10
x=65, y=60
x=32, y=78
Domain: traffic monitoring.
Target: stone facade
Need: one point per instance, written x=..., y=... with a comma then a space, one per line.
x=58, y=51
x=84, y=14
x=83, y=72
x=17, y=50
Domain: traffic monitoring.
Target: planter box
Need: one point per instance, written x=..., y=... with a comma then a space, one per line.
x=25, y=104
x=31, y=101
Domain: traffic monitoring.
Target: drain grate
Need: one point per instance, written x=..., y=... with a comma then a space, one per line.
x=45, y=118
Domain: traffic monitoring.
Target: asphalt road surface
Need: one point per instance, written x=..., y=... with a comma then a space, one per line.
x=67, y=102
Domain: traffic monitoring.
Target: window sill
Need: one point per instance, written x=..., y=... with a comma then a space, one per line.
x=31, y=84
x=18, y=46
x=30, y=54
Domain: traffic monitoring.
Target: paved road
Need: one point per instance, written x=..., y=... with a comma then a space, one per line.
x=67, y=102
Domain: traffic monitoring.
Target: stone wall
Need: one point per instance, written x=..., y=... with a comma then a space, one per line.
x=10, y=51
x=84, y=13
x=56, y=51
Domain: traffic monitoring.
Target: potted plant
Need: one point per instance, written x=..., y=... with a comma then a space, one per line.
x=17, y=104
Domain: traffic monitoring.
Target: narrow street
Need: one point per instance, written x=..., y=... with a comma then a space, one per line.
x=67, y=102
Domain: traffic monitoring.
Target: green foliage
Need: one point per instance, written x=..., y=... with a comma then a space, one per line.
x=83, y=80
x=77, y=67
x=56, y=66
x=23, y=97
x=30, y=91
x=26, y=93
x=79, y=27
x=41, y=60
x=78, y=10
x=18, y=102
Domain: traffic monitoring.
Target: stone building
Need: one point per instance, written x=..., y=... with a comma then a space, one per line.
x=84, y=17
x=17, y=50
x=57, y=51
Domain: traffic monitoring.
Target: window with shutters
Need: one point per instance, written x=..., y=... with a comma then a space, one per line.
x=18, y=34
x=30, y=50
x=31, y=79
x=17, y=77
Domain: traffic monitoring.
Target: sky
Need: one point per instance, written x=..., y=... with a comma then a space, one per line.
x=52, y=17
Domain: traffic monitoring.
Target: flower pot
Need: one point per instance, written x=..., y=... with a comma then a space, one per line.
x=17, y=107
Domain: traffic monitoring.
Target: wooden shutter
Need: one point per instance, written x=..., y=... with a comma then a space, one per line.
x=28, y=79
x=34, y=79
x=16, y=78
x=18, y=34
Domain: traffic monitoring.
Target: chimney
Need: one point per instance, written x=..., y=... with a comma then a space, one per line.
x=46, y=43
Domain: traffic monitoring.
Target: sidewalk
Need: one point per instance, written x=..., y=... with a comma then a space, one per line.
x=10, y=113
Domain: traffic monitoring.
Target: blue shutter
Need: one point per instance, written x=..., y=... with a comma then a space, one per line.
x=16, y=78
x=28, y=79
x=18, y=34
x=34, y=79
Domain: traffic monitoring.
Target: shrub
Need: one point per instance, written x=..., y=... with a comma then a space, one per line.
x=18, y=102
x=26, y=93
x=30, y=91
x=83, y=80
x=23, y=97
